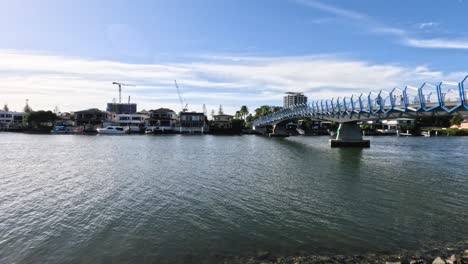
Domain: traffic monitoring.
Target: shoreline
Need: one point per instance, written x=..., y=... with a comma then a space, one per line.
x=450, y=254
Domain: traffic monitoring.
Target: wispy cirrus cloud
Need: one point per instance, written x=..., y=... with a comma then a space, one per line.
x=76, y=83
x=374, y=26
x=438, y=43
x=427, y=25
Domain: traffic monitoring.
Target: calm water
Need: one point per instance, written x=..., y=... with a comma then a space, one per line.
x=185, y=198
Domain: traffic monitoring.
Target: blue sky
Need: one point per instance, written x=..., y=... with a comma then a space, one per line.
x=67, y=53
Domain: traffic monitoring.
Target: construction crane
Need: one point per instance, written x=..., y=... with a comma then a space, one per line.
x=120, y=89
x=184, y=108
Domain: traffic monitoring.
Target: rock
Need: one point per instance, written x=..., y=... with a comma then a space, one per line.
x=451, y=260
x=438, y=260
x=417, y=261
x=398, y=262
x=263, y=255
x=465, y=254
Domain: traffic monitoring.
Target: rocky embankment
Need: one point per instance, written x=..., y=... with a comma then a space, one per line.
x=452, y=254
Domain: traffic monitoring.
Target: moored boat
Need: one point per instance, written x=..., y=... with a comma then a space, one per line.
x=112, y=130
x=60, y=130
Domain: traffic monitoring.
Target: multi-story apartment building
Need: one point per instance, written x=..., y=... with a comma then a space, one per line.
x=292, y=99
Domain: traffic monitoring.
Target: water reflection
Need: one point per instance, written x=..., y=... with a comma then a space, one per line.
x=176, y=196
x=349, y=159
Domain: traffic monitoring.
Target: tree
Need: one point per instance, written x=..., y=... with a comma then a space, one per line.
x=5, y=108
x=456, y=119
x=27, y=108
x=244, y=111
x=212, y=113
x=265, y=110
x=248, y=120
x=39, y=118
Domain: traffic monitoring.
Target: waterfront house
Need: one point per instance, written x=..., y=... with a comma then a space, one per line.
x=90, y=117
x=162, y=119
x=393, y=125
x=193, y=122
x=463, y=124
x=222, y=121
x=10, y=119
x=136, y=122
x=389, y=126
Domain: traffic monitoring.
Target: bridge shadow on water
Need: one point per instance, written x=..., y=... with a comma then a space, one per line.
x=349, y=159
x=314, y=151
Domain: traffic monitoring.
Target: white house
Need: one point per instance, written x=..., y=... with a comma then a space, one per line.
x=9, y=118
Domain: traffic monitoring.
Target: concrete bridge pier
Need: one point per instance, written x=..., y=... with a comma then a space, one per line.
x=260, y=130
x=349, y=135
x=279, y=131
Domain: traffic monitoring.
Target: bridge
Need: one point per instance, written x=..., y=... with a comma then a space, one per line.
x=445, y=98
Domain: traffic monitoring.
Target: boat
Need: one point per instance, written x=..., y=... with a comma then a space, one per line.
x=426, y=133
x=300, y=131
x=112, y=130
x=149, y=130
x=405, y=134
x=60, y=130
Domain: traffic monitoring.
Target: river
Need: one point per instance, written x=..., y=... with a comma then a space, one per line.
x=88, y=199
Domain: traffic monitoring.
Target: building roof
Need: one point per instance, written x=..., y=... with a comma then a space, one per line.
x=12, y=112
x=88, y=110
x=162, y=110
x=191, y=113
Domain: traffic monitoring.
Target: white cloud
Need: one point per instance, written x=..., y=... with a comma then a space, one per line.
x=437, y=43
x=427, y=25
x=404, y=37
x=77, y=83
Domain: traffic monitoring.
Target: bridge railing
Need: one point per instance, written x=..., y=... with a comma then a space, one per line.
x=445, y=96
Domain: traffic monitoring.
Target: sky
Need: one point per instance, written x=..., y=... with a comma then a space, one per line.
x=66, y=54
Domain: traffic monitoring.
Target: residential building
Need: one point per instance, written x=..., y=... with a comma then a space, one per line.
x=390, y=126
x=122, y=108
x=396, y=124
x=192, y=122
x=162, y=119
x=222, y=121
x=292, y=99
x=11, y=119
x=135, y=122
x=91, y=117
x=463, y=124
x=65, y=119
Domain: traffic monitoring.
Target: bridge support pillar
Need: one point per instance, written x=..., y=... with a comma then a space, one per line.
x=279, y=131
x=349, y=135
x=260, y=131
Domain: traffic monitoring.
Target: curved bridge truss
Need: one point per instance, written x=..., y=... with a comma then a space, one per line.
x=446, y=98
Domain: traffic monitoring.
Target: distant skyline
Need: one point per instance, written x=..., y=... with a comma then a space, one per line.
x=232, y=52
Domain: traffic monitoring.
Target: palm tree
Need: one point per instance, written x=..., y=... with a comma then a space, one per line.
x=244, y=111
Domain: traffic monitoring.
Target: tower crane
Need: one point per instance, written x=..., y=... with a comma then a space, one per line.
x=120, y=89
x=182, y=101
